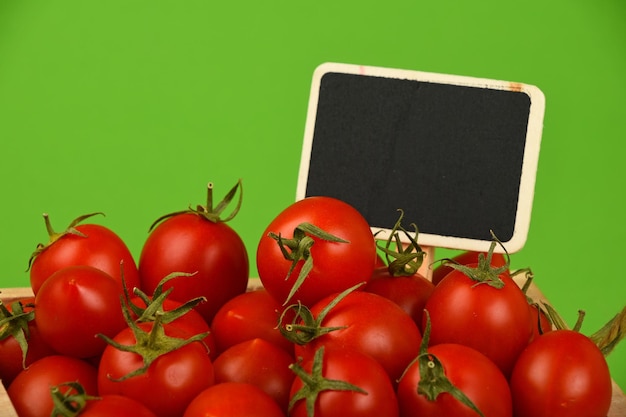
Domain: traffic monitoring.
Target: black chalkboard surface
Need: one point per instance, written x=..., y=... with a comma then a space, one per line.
x=457, y=154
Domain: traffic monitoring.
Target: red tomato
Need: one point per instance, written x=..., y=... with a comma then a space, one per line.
x=30, y=390
x=189, y=242
x=21, y=326
x=74, y=305
x=409, y=292
x=94, y=245
x=233, y=399
x=250, y=315
x=191, y=322
x=70, y=398
x=372, y=394
x=257, y=362
x=494, y=321
x=335, y=267
x=370, y=324
x=465, y=258
x=170, y=382
x=468, y=370
x=539, y=321
x=561, y=373
x=115, y=405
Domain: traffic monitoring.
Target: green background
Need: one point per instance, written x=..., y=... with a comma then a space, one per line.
x=131, y=107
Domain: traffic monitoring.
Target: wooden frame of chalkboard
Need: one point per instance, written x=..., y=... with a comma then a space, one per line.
x=457, y=154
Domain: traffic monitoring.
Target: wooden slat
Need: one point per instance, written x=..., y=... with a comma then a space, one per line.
x=6, y=408
x=618, y=405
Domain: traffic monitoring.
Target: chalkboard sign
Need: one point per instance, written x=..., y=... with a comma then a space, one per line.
x=457, y=154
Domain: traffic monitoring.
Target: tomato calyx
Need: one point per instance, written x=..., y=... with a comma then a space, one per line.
x=315, y=383
x=298, y=249
x=433, y=380
x=304, y=327
x=154, y=304
x=210, y=212
x=484, y=272
x=71, y=401
x=54, y=236
x=609, y=335
x=151, y=344
x=605, y=338
x=405, y=260
x=15, y=324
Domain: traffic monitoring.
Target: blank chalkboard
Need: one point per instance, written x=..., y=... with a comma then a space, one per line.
x=457, y=154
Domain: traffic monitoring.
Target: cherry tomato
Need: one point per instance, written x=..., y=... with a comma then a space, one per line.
x=250, y=315
x=371, y=392
x=70, y=399
x=409, y=292
x=335, y=265
x=115, y=405
x=539, y=321
x=368, y=323
x=233, y=399
x=466, y=258
x=260, y=363
x=83, y=244
x=170, y=381
x=561, y=373
x=471, y=372
x=30, y=390
x=196, y=241
x=74, y=305
x=493, y=320
x=22, y=327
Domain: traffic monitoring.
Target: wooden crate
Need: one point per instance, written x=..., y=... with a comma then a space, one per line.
x=618, y=406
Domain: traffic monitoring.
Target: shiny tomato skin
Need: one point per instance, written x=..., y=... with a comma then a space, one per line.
x=357, y=368
x=115, y=406
x=30, y=390
x=494, y=321
x=467, y=369
x=561, y=373
x=260, y=363
x=102, y=248
x=253, y=314
x=170, y=382
x=11, y=352
x=190, y=243
x=466, y=258
x=233, y=399
x=74, y=305
x=409, y=292
x=336, y=266
x=374, y=325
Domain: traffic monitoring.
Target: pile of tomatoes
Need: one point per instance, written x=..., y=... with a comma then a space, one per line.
x=342, y=325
